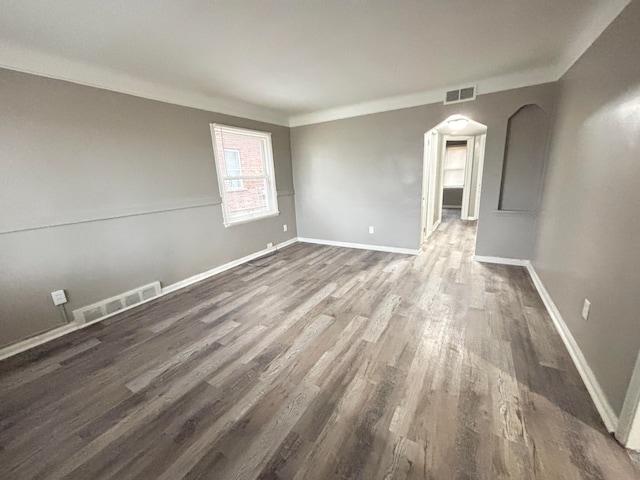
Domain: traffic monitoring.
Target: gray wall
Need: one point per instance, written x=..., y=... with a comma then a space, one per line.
x=102, y=192
x=367, y=170
x=589, y=225
x=452, y=197
x=524, y=159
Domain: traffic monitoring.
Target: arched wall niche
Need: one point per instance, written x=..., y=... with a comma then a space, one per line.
x=524, y=158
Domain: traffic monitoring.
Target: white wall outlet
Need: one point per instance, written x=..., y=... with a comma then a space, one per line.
x=59, y=297
x=371, y=229
x=585, y=309
x=284, y=227
x=270, y=245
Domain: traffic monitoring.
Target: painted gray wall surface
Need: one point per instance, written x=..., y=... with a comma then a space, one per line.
x=524, y=159
x=367, y=170
x=589, y=222
x=452, y=197
x=132, y=185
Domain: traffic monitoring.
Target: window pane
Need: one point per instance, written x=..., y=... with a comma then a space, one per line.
x=244, y=163
x=233, y=168
x=232, y=163
x=454, y=163
x=455, y=157
x=250, y=151
x=251, y=199
x=453, y=178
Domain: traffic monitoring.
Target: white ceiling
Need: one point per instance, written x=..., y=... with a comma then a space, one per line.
x=299, y=61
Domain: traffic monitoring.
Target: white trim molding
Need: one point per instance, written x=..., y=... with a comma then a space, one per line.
x=628, y=432
x=24, y=345
x=589, y=379
x=223, y=268
x=361, y=246
x=20, y=59
x=598, y=396
x=501, y=260
x=593, y=26
x=489, y=85
x=29, y=343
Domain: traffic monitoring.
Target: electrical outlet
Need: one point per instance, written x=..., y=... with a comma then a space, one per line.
x=270, y=245
x=284, y=227
x=59, y=297
x=585, y=309
x=371, y=229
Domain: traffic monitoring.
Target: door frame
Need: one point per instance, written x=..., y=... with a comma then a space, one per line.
x=482, y=142
x=468, y=168
x=433, y=163
x=429, y=169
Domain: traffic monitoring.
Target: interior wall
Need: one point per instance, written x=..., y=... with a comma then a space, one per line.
x=589, y=225
x=524, y=159
x=452, y=197
x=102, y=192
x=367, y=170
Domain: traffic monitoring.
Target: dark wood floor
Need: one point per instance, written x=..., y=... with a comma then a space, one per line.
x=320, y=363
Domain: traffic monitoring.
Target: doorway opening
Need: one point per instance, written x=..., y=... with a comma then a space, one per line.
x=452, y=171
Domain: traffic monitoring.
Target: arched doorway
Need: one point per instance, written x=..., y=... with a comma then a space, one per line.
x=452, y=171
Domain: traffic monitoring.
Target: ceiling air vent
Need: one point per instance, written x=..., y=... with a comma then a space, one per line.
x=465, y=94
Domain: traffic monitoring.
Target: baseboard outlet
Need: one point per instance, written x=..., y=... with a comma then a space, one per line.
x=605, y=410
x=361, y=246
x=37, y=340
x=501, y=260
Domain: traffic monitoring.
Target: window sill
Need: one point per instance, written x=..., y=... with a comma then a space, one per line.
x=240, y=221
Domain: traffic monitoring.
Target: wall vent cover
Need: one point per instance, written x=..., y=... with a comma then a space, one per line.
x=105, y=307
x=465, y=94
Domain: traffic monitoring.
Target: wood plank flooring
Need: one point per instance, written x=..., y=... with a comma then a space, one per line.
x=316, y=363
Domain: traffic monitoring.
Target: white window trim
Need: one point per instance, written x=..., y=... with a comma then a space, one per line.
x=270, y=177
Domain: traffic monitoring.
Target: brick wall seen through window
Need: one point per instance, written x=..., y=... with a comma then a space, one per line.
x=246, y=173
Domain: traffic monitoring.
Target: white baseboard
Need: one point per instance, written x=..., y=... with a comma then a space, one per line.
x=24, y=345
x=361, y=246
x=603, y=406
x=223, y=268
x=607, y=413
x=57, y=332
x=628, y=432
x=501, y=260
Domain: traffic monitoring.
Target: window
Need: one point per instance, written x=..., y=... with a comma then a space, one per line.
x=234, y=168
x=455, y=158
x=244, y=163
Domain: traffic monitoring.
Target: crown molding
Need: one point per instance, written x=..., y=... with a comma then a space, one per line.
x=14, y=57
x=38, y=63
x=489, y=85
x=594, y=25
